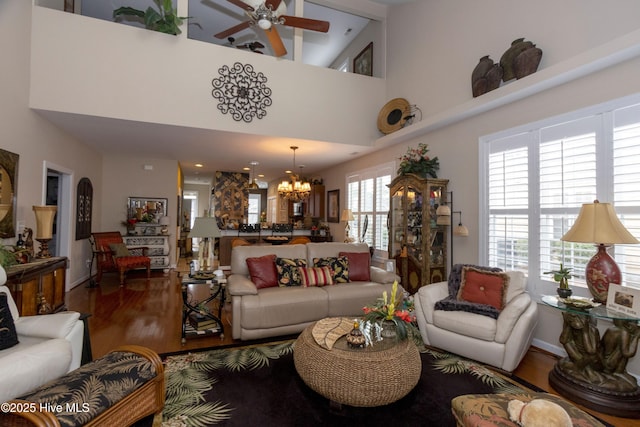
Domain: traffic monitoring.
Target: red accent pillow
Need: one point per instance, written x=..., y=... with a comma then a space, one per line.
x=359, y=266
x=315, y=276
x=263, y=271
x=484, y=287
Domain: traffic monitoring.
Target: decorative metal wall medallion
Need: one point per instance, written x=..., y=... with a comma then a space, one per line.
x=241, y=92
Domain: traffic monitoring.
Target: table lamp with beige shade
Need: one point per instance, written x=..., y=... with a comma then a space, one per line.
x=347, y=216
x=44, y=228
x=598, y=223
x=207, y=229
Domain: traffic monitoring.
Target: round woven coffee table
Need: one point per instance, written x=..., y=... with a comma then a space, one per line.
x=373, y=376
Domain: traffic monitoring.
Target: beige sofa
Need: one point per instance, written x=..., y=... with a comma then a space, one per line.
x=277, y=311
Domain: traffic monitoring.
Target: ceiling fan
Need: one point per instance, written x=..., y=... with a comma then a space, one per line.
x=267, y=15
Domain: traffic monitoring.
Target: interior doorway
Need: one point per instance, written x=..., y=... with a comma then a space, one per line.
x=57, y=190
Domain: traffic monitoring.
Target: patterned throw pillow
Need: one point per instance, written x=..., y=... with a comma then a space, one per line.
x=338, y=265
x=315, y=276
x=288, y=273
x=8, y=335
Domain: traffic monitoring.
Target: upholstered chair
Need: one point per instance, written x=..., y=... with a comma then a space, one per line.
x=112, y=255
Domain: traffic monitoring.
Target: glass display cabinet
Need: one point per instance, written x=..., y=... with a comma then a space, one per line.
x=416, y=241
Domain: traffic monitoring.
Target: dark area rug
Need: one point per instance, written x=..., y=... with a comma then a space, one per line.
x=259, y=385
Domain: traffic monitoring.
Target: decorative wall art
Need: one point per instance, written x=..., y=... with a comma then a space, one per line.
x=241, y=92
x=84, y=208
x=363, y=63
x=333, y=206
x=230, y=198
x=8, y=177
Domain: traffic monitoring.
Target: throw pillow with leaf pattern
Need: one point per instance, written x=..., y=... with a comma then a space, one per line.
x=288, y=273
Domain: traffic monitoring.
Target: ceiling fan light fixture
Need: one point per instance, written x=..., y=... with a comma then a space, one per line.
x=264, y=23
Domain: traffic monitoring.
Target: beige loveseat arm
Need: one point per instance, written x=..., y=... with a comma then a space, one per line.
x=238, y=285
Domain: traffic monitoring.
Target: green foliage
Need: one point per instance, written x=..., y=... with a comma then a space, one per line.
x=163, y=20
x=7, y=257
x=562, y=276
x=417, y=161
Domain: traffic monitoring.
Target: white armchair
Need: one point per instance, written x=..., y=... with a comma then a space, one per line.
x=500, y=342
x=49, y=346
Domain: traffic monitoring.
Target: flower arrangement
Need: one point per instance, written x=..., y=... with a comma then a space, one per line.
x=418, y=162
x=395, y=309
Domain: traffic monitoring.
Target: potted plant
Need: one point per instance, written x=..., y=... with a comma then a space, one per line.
x=562, y=276
x=164, y=20
x=7, y=257
x=394, y=314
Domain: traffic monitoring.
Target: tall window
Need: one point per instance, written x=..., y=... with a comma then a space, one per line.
x=536, y=178
x=368, y=199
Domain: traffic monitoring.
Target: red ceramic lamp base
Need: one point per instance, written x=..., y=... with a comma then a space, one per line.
x=602, y=270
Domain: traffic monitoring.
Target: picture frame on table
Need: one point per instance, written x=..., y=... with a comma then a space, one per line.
x=333, y=206
x=624, y=300
x=363, y=62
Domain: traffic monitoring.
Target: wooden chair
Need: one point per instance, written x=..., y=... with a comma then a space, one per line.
x=106, y=244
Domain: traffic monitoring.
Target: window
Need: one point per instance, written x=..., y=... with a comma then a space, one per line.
x=536, y=178
x=254, y=209
x=368, y=199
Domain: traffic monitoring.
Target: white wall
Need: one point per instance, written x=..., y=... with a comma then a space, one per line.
x=181, y=70
x=33, y=138
x=432, y=50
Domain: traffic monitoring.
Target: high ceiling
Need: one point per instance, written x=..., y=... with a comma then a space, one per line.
x=211, y=148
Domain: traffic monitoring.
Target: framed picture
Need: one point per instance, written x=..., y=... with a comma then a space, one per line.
x=624, y=300
x=333, y=206
x=363, y=63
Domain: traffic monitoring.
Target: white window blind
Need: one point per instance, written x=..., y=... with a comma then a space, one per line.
x=536, y=181
x=368, y=197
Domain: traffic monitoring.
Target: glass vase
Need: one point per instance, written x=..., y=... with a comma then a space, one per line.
x=388, y=330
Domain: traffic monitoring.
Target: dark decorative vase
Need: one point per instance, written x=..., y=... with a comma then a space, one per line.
x=564, y=292
x=602, y=270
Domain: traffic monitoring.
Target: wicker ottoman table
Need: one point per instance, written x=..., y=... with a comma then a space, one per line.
x=373, y=376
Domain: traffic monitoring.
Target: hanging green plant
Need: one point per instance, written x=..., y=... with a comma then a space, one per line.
x=164, y=20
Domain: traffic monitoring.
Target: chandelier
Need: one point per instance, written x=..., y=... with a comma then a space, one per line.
x=294, y=189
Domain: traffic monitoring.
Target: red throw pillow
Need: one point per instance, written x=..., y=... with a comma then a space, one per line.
x=359, y=266
x=315, y=276
x=263, y=271
x=484, y=287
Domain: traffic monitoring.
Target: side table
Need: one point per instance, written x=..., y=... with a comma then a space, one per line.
x=594, y=372
x=218, y=291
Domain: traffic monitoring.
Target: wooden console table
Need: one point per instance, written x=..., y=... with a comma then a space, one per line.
x=42, y=278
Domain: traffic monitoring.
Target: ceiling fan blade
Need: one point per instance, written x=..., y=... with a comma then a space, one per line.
x=273, y=4
x=275, y=41
x=236, y=28
x=242, y=5
x=306, y=23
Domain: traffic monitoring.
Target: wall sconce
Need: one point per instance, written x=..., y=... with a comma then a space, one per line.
x=347, y=216
x=44, y=228
x=460, y=230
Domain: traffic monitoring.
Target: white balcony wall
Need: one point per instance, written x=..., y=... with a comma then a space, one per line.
x=91, y=67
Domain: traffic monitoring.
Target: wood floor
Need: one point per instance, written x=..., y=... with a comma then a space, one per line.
x=148, y=313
